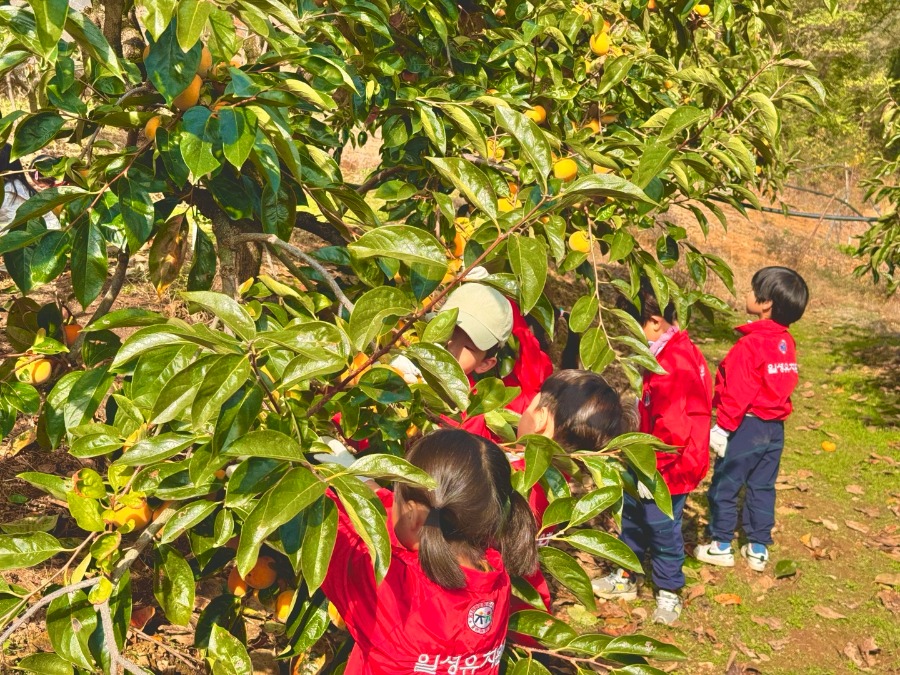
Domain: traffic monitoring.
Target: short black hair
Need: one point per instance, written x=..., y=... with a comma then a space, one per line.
x=785, y=288
x=645, y=305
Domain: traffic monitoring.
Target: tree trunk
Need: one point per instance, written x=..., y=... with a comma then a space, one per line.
x=237, y=262
x=113, y=14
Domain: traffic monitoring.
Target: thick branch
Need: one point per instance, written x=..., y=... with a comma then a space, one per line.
x=377, y=179
x=274, y=242
x=481, y=161
x=113, y=12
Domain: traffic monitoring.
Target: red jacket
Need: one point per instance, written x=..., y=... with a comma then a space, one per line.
x=408, y=624
x=677, y=408
x=757, y=376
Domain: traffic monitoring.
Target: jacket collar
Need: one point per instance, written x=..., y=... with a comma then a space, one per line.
x=761, y=326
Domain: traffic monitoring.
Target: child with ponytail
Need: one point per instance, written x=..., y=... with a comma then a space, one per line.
x=444, y=605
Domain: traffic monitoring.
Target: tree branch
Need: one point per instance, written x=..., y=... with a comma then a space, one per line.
x=116, y=659
x=481, y=161
x=272, y=241
x=309, y=223
x=46, y=600
x=377, y=179
x=112, y=292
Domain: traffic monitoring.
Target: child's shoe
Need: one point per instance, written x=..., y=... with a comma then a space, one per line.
x=668, y=608
x=620, y=585
x=715, y=553
x=756, y=555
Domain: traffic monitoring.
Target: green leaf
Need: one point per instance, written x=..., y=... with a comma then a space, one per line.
x=529, y=667
x=26, y=550
x=468, y=179
x=186, y=518
x=441, y=371
x=655, y=157
x=237, y=128
x=229, y=374
x=30, y=524
x=433, y=127
x=171, y=69
x=229, y=654
x=71, y=619
x=785, y=568
x=267, y=443
x=604, y=185
x=125, y=318
x=605, y=546
x=642, y=458
x=156, y=449
x=389, y=467
x=46, y=663
x=294, y=492
x=401, y=242
x=85, y=396
x=158, y=15
x=680, y=120
x=565, y=569
x=137, y=210
x=539, y=451
x=203, y=269
x=375, y=313
x=366, y=513
x=91, y=39
x=318, y=542
x=55, y=486
x=228, y=310
x=595, y=502
x=583, y=313
x=545, y=627
x=89, y=262
x=173, y=585
x=528, y=259
x=530, y=138
x=50, y=17
x=441, y=327
x=768, y=111
x=192, y=16
x=594, y=350
x=641, y=645
x=201, y=134
x=34, y=132
x=613, y=73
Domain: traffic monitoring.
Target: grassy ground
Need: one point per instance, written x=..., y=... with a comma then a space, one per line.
x=838, y=519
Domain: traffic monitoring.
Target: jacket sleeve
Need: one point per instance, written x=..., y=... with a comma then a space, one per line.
x=737, y=385
x=350, y=581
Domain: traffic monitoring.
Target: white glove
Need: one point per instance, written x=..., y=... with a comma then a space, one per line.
x=718, y=440
x=411, y=373
x=644, y=491
x=478, y=273
x=339, y=453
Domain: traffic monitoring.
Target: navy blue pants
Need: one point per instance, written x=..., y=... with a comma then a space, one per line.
x=646, y=528
x=751, y=461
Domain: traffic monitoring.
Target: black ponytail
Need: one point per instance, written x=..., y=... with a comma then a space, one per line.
x=472, y=508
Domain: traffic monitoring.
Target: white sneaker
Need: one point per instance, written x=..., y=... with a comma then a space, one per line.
x=715, y=553
x=620, y=585
x=668, y=608
x=756, y=555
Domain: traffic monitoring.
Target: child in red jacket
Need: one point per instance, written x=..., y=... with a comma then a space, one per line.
x=675, y=407
x=443, y=606
x=753, y=398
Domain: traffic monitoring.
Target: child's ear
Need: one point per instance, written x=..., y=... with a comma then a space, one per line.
x=543, y=422
x=486, y=365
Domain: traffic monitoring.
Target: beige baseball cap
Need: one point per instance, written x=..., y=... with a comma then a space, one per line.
x=484, y=314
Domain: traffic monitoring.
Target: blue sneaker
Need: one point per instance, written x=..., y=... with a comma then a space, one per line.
x=715, y=553
x=756, y=555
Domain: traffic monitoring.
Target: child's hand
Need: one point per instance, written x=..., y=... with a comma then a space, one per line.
x=718, y=440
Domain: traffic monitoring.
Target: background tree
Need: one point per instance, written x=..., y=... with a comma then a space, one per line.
x=568, y=131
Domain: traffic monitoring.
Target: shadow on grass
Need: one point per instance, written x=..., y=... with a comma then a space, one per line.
x=875, y=358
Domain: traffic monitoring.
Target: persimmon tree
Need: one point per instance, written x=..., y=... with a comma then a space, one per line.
x=515, y=138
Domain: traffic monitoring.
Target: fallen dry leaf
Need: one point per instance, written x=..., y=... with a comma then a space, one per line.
x=827, y=612
x=859, y=527
x=803, y=474
x=890, y=599
x=871, y=512
x=888, y=579
x=728, y=599
x=778, y=645
x=141, y=615
x=851, y=651
x=855, y=489
x=770, y=621
x=694, y=592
